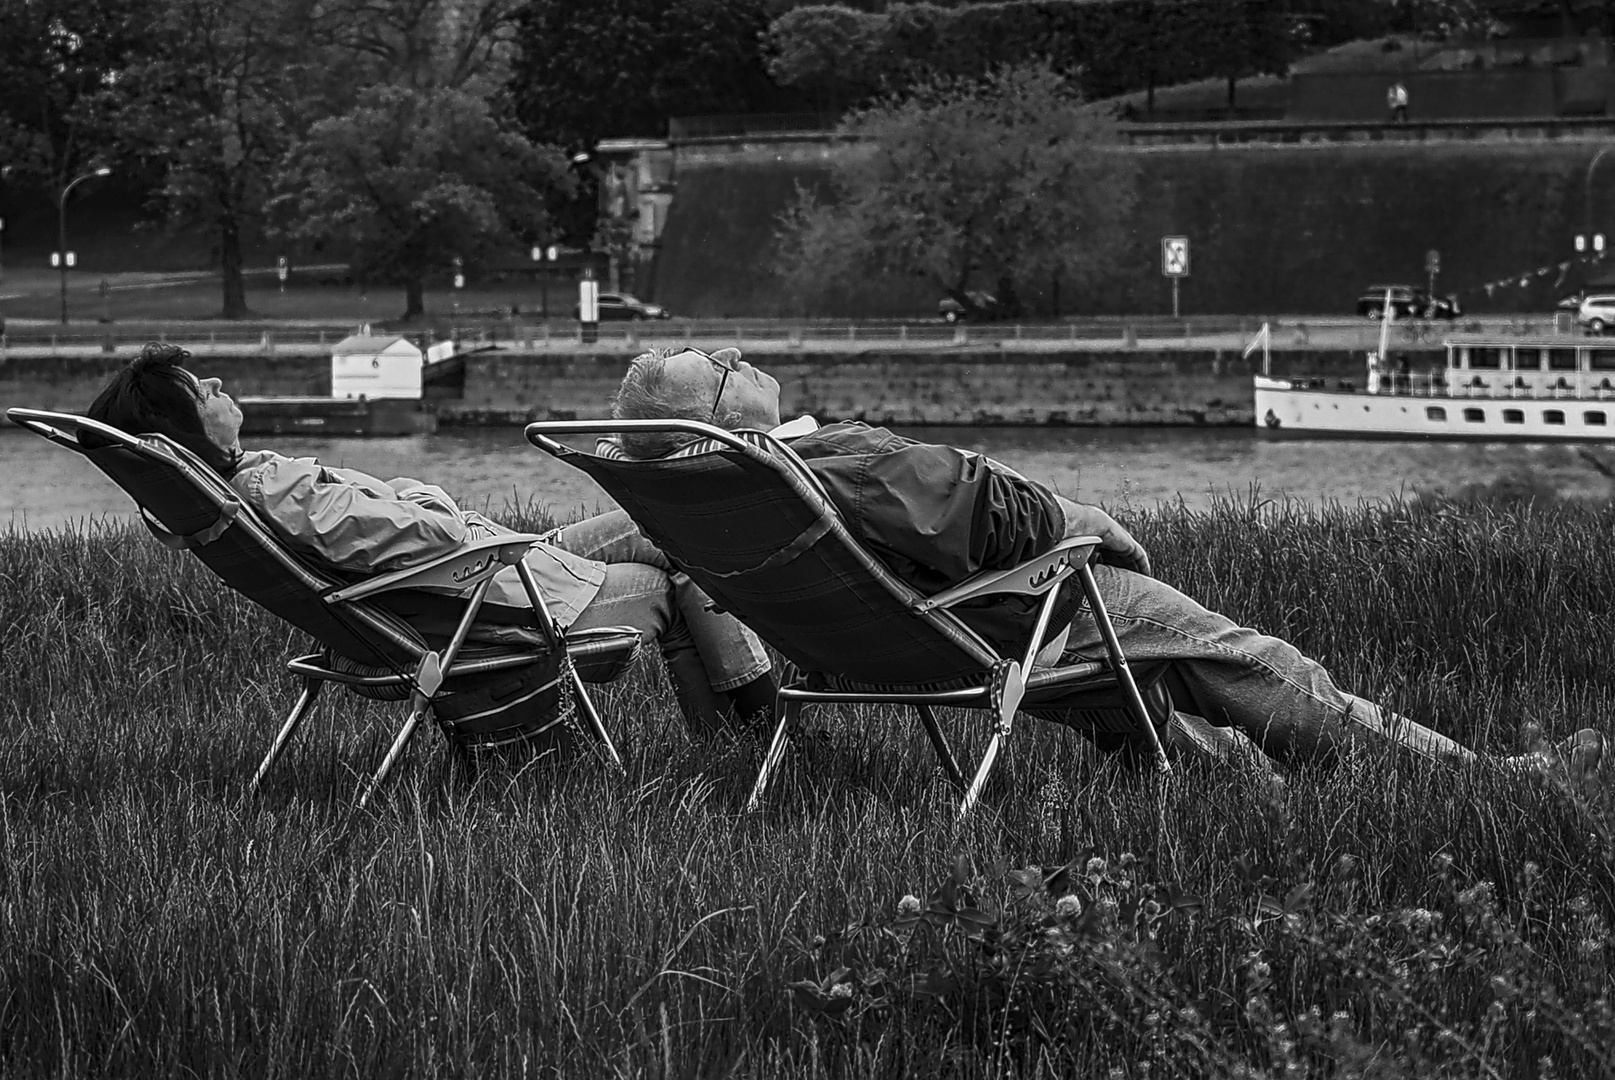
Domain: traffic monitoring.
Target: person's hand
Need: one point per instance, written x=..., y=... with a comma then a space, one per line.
x=1116, y=545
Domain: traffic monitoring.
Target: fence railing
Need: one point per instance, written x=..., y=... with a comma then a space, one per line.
x=1220, y=332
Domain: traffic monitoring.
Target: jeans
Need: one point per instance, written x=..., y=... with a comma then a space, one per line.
x=642, y=589
x=1241, y=681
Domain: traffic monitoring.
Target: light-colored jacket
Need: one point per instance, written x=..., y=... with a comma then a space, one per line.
x=357, y=522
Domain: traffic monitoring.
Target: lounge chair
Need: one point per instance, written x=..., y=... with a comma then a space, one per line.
x=381, y=636
x=749, y=522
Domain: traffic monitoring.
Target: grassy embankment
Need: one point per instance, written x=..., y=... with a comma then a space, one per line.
x=1390, y=920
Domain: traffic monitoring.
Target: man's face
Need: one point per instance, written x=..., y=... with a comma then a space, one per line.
x=731, y=384
x=221, y=416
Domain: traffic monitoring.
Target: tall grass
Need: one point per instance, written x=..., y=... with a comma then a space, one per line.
x=1391, y=919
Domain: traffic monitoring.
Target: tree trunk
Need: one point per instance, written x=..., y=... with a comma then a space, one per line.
x=1233, y=80
x=414, y=296
x=235, y=287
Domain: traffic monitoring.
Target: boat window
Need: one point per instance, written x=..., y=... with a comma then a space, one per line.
x=1435, y=412
x=1553, y=416
x=1513, y=416
x=1602, y=359
x=1528, y=359
x=1561, y=359
x=1475, y=416
x=1594, y=418
x=1491, y=356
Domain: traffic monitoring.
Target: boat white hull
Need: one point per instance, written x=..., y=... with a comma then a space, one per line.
x=1285, y=410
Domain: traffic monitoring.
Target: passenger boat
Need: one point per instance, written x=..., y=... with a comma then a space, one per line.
x=1549, y=388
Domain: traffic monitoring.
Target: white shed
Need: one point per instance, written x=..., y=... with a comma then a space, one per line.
x=375, y=366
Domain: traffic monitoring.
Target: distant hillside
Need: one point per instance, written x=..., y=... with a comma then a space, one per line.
x=1271, y=229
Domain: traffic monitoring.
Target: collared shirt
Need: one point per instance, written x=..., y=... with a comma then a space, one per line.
x=359, y=523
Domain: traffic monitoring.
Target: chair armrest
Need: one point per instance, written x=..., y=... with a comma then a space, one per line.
x=460, y=569
x=1034, y=577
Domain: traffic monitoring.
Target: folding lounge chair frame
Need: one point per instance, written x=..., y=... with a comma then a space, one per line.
x=369, y=649
x=704, y=506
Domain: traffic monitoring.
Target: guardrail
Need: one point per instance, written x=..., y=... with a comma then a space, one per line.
x=1153, y=332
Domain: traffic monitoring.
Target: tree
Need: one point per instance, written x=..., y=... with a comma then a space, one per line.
x=418, y=161
x=212, y=111
x=57, y=58
x=1007, y=179
x=412, y=178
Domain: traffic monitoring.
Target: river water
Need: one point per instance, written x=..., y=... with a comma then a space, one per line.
x=43, y=487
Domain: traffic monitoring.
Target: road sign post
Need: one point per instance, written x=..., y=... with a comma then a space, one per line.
x=1175, y=263
x=1432, y=267
x=281, y=271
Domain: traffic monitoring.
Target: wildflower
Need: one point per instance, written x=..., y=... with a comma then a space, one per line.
x=1126, y=859
x=1581, y=905
x=1422, y=919
x=1440, y=862
x=1259, y=969
x=909, y=905
x=1476, y=896
x=841, y=990
x=1151, y=1019
x=1068, y=906
x=1095, y=867
x=818, y=941
x=1152, y=910
x=1531, y=870
x=1189, y=1015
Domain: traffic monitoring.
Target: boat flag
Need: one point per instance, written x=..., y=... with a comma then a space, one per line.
x=1263, y=338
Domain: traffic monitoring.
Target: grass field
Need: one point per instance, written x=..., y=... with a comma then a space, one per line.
x=1388, y=920
x=31, y=300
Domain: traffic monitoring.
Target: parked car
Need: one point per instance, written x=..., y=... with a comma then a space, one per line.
x=979, y=306
x=1597, y=312
x=626, y=306
x=1570, y=303
x=1407, y=302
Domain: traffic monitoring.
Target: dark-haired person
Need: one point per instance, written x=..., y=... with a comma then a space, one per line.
x=938, y=515
x=597, y=572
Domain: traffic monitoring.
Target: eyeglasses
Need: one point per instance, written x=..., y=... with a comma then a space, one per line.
x=723, y=381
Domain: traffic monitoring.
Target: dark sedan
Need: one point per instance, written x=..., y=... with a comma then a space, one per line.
x=617, y=306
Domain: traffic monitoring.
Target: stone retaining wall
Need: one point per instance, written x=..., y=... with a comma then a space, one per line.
x=987, y=387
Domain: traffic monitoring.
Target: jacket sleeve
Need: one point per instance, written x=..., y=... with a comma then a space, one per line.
x=353, y=525
x=946, y=509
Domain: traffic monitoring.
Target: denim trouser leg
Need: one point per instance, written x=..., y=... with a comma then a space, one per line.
x=733, y=655
x=1265, y=688
x=641, y=596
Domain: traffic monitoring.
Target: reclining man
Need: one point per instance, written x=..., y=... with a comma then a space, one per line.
x=598, y=572
x=938, y=515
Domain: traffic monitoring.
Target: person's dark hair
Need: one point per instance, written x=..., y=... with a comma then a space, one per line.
x=647, y=394
x=153, y=396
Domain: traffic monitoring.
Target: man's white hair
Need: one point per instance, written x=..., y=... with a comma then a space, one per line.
x=647, y=393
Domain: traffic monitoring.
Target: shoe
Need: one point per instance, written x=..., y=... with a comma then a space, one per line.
x=1574, y=761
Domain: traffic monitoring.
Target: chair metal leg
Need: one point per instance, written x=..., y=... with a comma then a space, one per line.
x=1008, y=687
x=586, y=703
x=940, y=742
x=789, y=712
x=428, y=677
x=1118, y=661
x=419, y=703
x=305, y=701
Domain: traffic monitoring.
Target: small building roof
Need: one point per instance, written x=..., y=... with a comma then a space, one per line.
x=375, y=345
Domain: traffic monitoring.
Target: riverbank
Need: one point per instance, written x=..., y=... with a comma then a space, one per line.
x=994, y=386
x=568, y=922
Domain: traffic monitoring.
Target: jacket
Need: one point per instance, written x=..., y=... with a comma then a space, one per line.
x=360, y=524
x=936, y=515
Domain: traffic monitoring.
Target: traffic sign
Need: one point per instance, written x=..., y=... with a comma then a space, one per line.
x=1432, y=261
x=459, y=281
x=1175, y=256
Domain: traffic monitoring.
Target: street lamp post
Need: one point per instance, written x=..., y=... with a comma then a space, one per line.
x=1587, y=195
x=61, y=229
